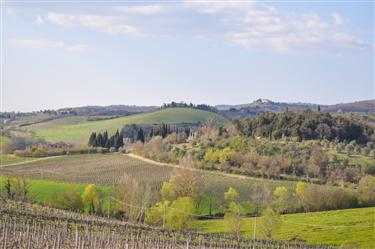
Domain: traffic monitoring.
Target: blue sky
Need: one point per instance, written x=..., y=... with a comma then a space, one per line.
x=59, y=54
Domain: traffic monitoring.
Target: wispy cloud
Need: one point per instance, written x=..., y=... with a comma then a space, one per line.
x=106, y=24
x=39, y=20
x=143, y=10
x=338, y=19
x=10, y=12
x=247, y=24
x=46, y=44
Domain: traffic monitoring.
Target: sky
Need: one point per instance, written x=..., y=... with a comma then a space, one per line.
x=74, y=53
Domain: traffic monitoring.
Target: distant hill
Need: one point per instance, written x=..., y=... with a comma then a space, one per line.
x=121, y=110
x=358, y=106
x=76, y=129
x=265, y=105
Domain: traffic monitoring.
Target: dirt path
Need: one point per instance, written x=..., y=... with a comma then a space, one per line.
x=31, y=161
x=199, y=170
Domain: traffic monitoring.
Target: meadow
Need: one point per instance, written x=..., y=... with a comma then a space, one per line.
x=76, y=129
x=351, y=228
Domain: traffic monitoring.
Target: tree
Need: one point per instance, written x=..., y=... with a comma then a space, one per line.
x=92, y=140
x=367, y=190
x=283, y=200
x=133, y=198
x=140, y=135
x=181, y=213
x=167, y=192
x=233, y=218
x=269, y=223
x=90, y=198
x=186, y=180
x=156, y=215
x=261, y=195
x=119, y=142
x=231, y=195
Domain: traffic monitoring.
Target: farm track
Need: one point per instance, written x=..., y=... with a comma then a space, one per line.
x=197, y=170
x=31, y=161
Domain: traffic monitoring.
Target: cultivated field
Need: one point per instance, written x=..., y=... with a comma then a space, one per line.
x=32, y=226
x=107, y=169
x=77, y=129
x=351, y=228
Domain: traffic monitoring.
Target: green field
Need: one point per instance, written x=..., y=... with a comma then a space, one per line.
x=6, y=159
x=77, y=130
x=107, y=169
x=350, y=227
x=41, y=191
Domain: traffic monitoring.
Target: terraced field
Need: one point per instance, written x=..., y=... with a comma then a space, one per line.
x=77, y=129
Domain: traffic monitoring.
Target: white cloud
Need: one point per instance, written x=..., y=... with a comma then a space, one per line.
x=248, y=24
x=46, y=44
x=338, y=19
x=39, y=20
x=106, y=24
x=143, y=9
x=10, y=12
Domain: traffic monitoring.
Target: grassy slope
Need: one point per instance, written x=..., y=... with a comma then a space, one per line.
x=350, y=227
x=74, y=130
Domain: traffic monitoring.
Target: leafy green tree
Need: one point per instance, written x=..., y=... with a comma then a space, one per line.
x=168, y=192
x=90, y=198
x=367, y=190
x=231, y=195
x=156, y=215
x=269, y=223
x=233, y=218
x=180, y=215
x=284, y=201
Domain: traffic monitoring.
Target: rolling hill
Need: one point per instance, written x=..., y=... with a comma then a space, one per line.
x=265, y=105
x=76, y=129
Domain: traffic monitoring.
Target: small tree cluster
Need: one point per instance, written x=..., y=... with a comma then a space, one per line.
x=103, y=140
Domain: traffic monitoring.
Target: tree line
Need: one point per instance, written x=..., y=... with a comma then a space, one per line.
x=305, y=125
x=103, y=140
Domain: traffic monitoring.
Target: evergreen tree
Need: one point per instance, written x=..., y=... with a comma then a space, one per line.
x=105, y=139
x=92, y=140
x=140, y=135
x=119, y=142
x=152, y=132
x=99, y=140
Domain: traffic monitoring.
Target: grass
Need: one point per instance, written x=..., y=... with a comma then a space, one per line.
x=41, y=191
x=77, y=130
x=353, y=159
x=107, y=169
x=6, y=159
x=350, y=227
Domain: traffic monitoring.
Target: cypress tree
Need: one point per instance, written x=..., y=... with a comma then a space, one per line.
x=92, y=140
x=140, y=135
x=119, y=142
x=99, y=140
x=105, y=139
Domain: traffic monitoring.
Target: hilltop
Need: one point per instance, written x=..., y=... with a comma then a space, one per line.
x=77, y=129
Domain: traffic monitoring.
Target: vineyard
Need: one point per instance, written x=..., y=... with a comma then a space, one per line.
x=31, y=226
x=108, y=169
